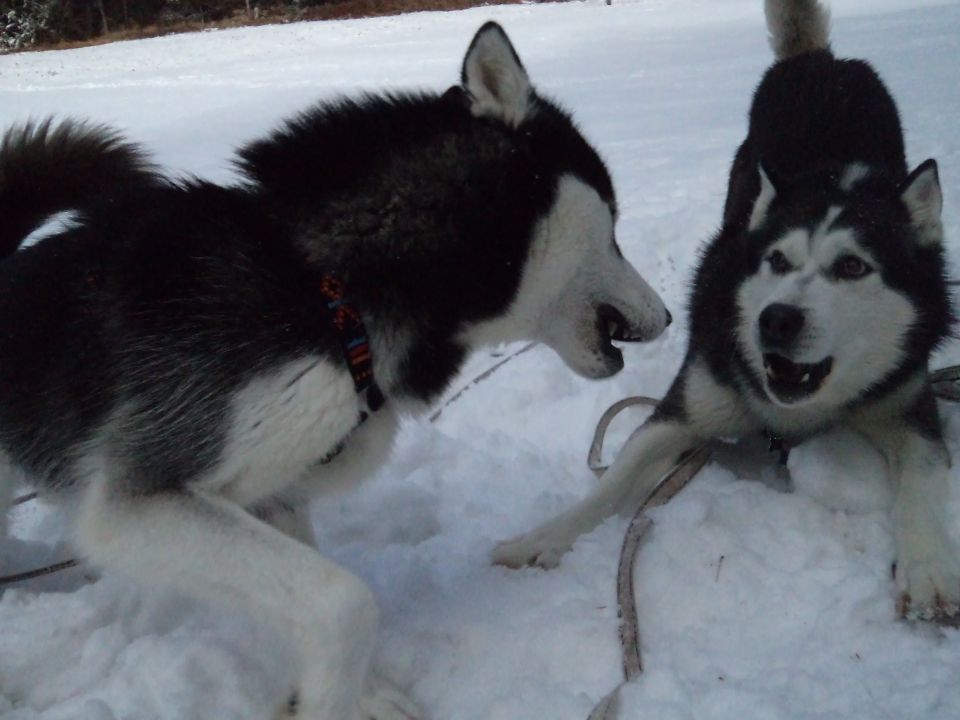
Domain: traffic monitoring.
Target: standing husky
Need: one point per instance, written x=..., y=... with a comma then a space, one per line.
x=817, y=304
x=187, y=363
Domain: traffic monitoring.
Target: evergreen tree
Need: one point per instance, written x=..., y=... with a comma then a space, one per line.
x=24, y=22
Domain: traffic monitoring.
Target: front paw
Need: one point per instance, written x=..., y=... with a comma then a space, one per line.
x=929, y=584
x=537, y=549
x=383, y=701
x=380, y=701
x=289, y=708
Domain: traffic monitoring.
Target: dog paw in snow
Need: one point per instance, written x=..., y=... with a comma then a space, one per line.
x=288, y=709
x=380, y=701
x=384, y=701
x=929, y=586
x=533, y=549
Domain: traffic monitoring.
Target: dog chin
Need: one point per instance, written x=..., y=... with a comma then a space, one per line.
x=588, y=351
x=594, y=361
x=600, y=365
x=612, y=364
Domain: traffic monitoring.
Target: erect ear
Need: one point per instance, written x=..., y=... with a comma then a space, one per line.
x=924, y=201
x=767, y=193
x=494, y=77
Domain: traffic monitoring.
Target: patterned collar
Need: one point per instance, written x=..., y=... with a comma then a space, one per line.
x=348, y=325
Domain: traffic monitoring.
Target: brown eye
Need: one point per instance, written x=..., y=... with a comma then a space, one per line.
x=850, y=267
x=778, y=262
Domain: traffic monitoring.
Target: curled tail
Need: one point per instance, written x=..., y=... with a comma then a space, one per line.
x=46, y=168
x=797, y=26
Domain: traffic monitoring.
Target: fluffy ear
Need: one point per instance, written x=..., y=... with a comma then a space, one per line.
x=924, y=201
x=494, y=77
x=767, y=193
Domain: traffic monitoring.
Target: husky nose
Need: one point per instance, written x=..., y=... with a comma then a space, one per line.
x=780, y=324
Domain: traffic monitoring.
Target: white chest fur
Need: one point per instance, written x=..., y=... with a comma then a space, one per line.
x=280, y=424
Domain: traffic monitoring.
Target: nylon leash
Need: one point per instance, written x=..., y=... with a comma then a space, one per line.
x=945, y=384
x=672, y=483
x=479, y=379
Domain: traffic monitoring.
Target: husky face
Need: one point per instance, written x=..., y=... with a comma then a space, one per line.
x=577, y=293
x=830, y=309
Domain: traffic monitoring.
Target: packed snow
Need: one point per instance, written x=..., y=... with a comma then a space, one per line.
x=758, y=598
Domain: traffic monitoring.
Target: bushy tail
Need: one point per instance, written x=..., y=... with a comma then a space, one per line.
x=46, y=168
x=797, y=26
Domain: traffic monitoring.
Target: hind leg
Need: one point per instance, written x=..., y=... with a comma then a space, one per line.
x=214, y=549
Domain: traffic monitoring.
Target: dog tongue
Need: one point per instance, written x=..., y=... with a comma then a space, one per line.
x=793, y=373
x=785, y=370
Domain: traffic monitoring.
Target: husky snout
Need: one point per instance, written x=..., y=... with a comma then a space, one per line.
x=648, y=323
x=780, y=325
x=580, y=292
x=641, y=313
x=641, y=319
x=623, y=330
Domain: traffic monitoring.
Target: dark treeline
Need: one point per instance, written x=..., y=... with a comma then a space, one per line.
x=28, y=22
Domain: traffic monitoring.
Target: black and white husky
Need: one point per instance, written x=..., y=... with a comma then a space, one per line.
x=816, y=305
x=187, y=363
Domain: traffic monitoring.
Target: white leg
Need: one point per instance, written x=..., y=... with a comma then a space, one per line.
x=649, y=453
x=214, y=549
x=928, y=569
x=703, y=410
x=381, y=700
x=366, y=450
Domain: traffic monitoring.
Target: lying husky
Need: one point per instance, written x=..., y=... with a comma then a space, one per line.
x=188, y=363
x=816, y=305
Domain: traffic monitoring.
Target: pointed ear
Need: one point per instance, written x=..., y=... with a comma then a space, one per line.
x=494, y=77
x=922, y=197
x=767, y=193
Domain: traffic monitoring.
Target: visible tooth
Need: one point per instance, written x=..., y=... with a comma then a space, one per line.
x=611, y=327
x=805, y=378
x=770, y=372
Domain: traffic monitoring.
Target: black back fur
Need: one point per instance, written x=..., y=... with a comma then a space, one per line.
x=165, y=297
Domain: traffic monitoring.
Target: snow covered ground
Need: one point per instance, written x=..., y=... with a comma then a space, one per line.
x=754, y=603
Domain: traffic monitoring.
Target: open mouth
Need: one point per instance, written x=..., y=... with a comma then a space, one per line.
x=791, y=381
x=612, y=325
x=615, y=325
